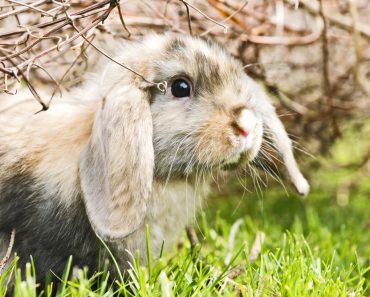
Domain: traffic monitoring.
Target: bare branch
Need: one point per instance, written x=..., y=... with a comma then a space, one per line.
x=6, y=258
x=205, y=15
x=328, y=88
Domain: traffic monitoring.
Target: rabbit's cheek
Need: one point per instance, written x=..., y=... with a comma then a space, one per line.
x=215, y=140
x=253, y=144
x=249, y=141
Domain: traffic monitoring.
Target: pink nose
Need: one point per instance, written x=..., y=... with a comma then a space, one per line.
x=243, y=132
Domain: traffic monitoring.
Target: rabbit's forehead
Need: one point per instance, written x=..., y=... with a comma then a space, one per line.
x=207, y=64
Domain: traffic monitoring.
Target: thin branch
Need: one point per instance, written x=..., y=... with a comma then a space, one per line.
x=326, y=74
x=83, y=49
x=25, y=49
x=206, y=16
x=339, y=20
x=29, y=85
x=6, y=258
x=123, y=21
x=43, y=12
x=231, y=16
x=161, y=86
x=163, y=17
x=188, y=16
x=6, y=70
x=16, y=11
x=287, y=40
x=361, y=79
x=83, y=13
x=59, y=46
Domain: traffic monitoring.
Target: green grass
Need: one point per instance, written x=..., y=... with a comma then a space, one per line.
x=312, y=247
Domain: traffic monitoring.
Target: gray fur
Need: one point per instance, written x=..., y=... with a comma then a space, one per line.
x=48, y=232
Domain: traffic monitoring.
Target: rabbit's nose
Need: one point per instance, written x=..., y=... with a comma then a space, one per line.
x=241, y=131
x=246, y=122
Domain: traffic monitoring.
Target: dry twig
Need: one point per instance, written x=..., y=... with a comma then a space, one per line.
x=234, y=229
x=6, y=258
x=256, y=247
x=192, y=236
x=339, y=20
x=326, y=74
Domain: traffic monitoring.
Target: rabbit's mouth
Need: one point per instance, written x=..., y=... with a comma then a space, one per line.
x=235, y=161
x=248, y=152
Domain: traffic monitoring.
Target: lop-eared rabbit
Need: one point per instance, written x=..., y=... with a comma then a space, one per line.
x=117, y=154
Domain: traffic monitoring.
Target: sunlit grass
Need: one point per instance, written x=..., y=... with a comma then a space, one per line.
x=317, y=249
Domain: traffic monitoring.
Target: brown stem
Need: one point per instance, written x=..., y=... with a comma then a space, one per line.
x=326, y=73
x=192, y=236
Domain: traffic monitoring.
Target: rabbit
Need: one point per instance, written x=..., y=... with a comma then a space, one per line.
x=119, y=153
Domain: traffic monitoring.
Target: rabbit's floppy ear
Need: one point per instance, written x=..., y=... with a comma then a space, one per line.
x=117, y=163
x=279, y=137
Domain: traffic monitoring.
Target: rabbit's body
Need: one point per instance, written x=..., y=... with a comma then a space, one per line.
x=41, y=197
x=115, y=154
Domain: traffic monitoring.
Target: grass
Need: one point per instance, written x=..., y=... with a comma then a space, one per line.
x=313, y=247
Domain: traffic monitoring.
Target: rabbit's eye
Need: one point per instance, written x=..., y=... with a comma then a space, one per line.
x=180, y=88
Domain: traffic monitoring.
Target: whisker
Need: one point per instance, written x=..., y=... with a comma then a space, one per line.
x=174, y=158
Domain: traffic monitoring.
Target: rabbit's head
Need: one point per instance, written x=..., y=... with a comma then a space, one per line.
x=210, y=116
x=207, y=118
